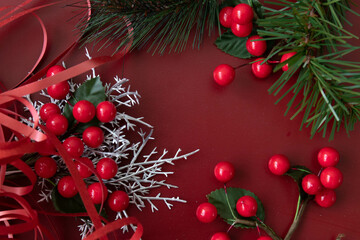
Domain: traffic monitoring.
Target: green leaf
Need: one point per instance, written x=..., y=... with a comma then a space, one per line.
x=68, y=113
x=297, y=173
x=233, y=45
x=226, y=205
x=91, y=90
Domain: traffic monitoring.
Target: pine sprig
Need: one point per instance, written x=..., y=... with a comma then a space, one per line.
x=158, y=25
x=327, y=87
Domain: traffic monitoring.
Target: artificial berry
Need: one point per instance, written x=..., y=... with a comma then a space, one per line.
x=66, y=187
x=57, y=124
x=105, y=111
x=261, y=70
x=311, y=184
x=220, y=236
x=225, y=16
x=246, y=206
x=224, y=171
x=206, y=212
x=118, y=201
x=74, y=146
x=84, y=111
x=106, y=168
x=45, y=167
x=224, y=74
x=331, y=177
x=96, y=195
x=264, y=238
x=328, y=157
x=83, y=170
x=47, y=110
x=93, y=136
x=325, y=198
x=256, y=48
x=279, y=164
x=241, y=30
x=59, y=90
x=285, y=57
x=242, y=13
x=54, y=70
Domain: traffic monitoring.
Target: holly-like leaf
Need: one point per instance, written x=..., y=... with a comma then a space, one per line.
x=226, y=205
x=91, y=90
x=233, y=45
x=298, y=173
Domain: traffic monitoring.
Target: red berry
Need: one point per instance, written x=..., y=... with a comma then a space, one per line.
x=83, y=170
x=246, y=206
x=106, y=168
x=118, y=201
x=105, y=111
x=279, y=164
x=241, y=30
x=206, y=212
x=261, y=70
x=285, y=57
x=47, y=110
x=325, y=198
x=328, y=157
x=264, y=238
x=45, y=167
x=220, y=236
x=93, y=136
x=242, y=13
x=84, y=111
x=97, y=196
x=224, y=171
x=59, y=90
x=225, y=17
x=224, y=74
x=74, y=146
x=54, y=70
x=57, y=124
x=66, y=187
x=256, y=48
x=331, y=177
x=311, y=184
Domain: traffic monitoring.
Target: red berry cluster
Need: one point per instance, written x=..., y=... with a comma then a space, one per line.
x=246, y=205
x=322, y=185
x=239, y=19
x=83, y=111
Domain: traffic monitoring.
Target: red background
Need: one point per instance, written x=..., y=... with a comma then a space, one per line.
x=238, y=123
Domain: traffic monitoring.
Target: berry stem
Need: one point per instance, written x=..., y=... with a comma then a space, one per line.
x=261, y=225
x=296, y=221
x=240, y=66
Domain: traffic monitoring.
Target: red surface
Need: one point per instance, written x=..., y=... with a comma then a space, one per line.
x=238, y=123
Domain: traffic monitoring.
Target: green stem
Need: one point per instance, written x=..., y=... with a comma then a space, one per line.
x=297, y=207
x=261, y=224
x=296, y=221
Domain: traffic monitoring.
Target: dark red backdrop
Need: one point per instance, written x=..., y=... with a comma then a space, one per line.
x=238, y=123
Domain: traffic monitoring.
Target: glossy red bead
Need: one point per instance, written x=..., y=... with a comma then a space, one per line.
x=256, y=48
x=285, y=57
x=45, y=167
x=240, y=30
x=59, y=90
x=225, y=17
x=325, y=198
x=331, y=177
x=57, y=124
x=84, y=111
x=66, y=187
x=54, y=70
x=106, y=168
x=74, y=146
x=279, y=164
x=328, y=157
x=224, y=74
x=224, y=171
x=118, y=201
x=93, y=136
x=83, y=170
x=311, y=184
x=206, y=212
x=105, y=111
x=242, y=14
x=264, y=238
x=49, y=109
x=246, y=206
x=97, y=196
x=220, y=236
x=261, y=70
